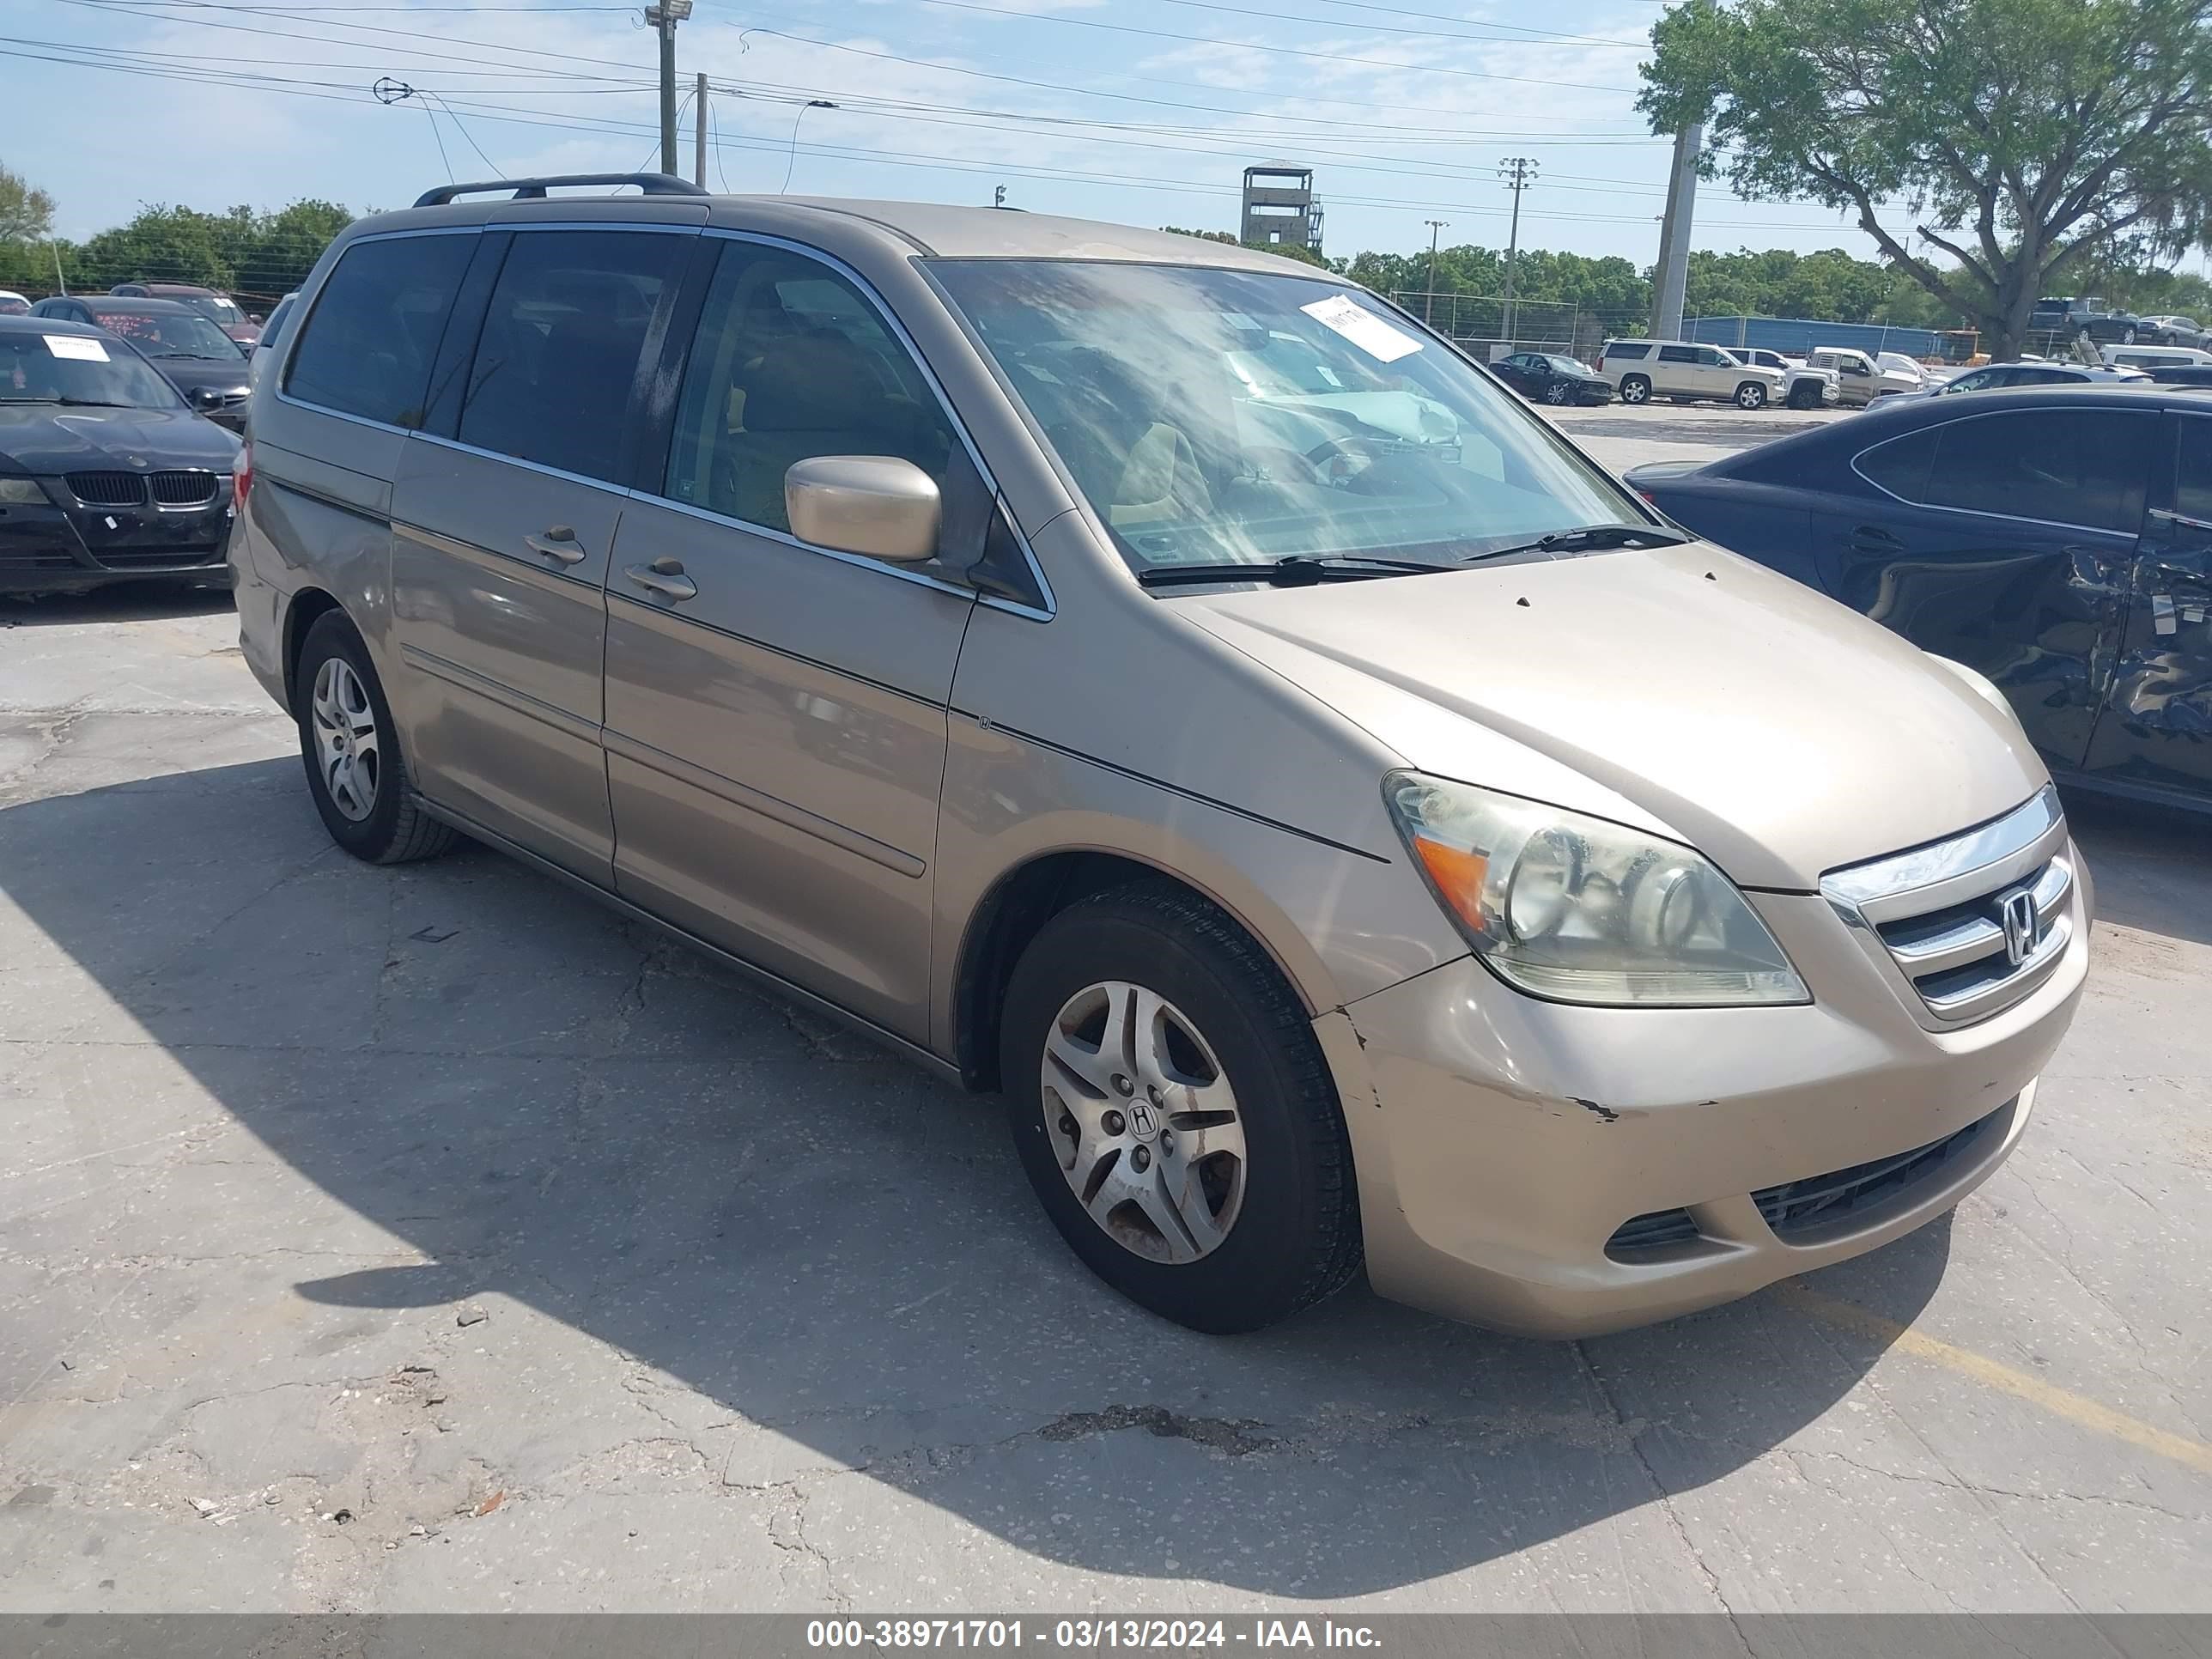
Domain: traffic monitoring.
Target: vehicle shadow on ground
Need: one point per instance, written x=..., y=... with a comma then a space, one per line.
x=123, y=602
x=554, y=1107
x=2152, y=867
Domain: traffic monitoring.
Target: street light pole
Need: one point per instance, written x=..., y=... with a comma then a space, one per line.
x=792, y=161
x=664, y=17
x=699, y=132
x=1428, y=310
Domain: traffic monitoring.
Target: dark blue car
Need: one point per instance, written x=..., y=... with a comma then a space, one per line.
x=2059, y=540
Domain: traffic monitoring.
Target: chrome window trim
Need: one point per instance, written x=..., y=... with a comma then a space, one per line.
x=507, y=459
x=1974, y=511
x=284, y=397
x=785, y=538
x=866, y=290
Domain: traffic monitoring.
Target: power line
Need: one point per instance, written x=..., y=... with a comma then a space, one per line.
x=1521, y=37
x=1280, y=52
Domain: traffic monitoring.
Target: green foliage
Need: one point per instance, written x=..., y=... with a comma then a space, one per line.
x=1304, y=256
x=26, y=213
x=2031, y=139
x=257, y=255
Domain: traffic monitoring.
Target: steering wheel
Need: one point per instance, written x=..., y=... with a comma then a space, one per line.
x=1322, y=455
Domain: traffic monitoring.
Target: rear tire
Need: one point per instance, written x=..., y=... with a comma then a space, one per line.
x=1251, y=1214
x=1751, y=395
x=351, y=748
x=1635, y=389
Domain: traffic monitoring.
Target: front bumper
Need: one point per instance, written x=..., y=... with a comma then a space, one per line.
x=1501, y=1143
x=44, y=547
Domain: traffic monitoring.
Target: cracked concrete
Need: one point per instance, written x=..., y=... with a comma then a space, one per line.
x=771, y=1322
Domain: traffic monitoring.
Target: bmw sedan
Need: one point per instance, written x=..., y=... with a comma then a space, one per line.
x=2058, y=540
x=105, y=473
x=1544, y=377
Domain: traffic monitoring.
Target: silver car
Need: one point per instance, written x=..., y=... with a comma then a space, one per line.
x=1567, y=922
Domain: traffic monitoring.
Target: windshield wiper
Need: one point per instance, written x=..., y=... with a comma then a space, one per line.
x=1589, y=538
x=90, y=403
x=1298, y=570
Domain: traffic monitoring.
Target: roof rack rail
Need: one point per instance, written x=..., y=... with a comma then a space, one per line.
x=533, y=190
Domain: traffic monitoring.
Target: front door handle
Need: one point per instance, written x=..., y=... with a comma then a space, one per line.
x=1873, y=538
x=2179, y=521
x=558, y=543
x=665, y=577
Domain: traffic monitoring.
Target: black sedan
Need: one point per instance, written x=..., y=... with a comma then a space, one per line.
x=2058, y=540
x=1543, y=377
x=192, y=354
x=105, y=473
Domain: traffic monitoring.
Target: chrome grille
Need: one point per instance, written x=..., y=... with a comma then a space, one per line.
x=107, y=488
x=184, y=489
x=1975, y=923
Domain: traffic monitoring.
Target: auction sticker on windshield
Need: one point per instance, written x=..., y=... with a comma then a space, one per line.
x=1345, y=316
x=77, y=346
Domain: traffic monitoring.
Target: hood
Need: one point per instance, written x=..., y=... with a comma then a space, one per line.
x=1780, y=734
x=44, y=438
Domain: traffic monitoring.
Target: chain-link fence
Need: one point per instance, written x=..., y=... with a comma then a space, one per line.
x=1490, y=325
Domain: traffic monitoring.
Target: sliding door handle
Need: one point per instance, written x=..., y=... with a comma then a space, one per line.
x=558, y=543
x=665, y=577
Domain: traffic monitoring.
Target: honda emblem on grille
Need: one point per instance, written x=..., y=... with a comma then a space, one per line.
x=2017, y=909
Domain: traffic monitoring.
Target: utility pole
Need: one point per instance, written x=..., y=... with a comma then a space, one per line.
x=664, y=17
x=699, y=133
x=1671, y=277
x=1519, y=172
x=1428, y=310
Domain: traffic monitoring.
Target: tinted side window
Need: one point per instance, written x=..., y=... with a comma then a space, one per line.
x=1901, y=465
x=1628, y=351
x=557, y=358
x=366, y=347
x=2192, y=476
x=1678, y=354
x=2083, y=467
x=791, y=362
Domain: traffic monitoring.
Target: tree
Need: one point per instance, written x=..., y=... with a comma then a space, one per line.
x=2029, y=139
x=26, y=214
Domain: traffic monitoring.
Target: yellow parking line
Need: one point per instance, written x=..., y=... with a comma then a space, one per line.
x=2103, y=1420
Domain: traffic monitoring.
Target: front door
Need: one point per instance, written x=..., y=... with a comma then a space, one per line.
x=2003, y=541
x=2156, y=730
x=501, y=534
x=775, y=720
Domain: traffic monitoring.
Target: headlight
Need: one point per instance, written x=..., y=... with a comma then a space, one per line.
x=21, y=491
x=1579, y=909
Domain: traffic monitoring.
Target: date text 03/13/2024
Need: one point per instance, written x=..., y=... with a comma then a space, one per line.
x=1166, y=1635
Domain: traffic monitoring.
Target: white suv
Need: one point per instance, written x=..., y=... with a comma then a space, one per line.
x=1643, y=369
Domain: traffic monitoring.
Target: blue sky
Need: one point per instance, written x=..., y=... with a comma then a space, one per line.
x=1144, y=111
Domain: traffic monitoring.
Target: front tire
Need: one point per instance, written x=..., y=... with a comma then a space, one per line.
x=1635, y=389
x=1174, y=1115
x=351, y=748
x=1806, y=396
x=1751, y=395
x=1558, y=394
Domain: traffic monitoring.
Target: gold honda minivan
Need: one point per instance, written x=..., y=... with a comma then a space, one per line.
x=1170, y=687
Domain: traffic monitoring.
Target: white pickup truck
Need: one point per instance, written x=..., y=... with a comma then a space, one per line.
x=1803, y=385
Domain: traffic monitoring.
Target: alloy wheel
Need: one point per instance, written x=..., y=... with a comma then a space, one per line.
x=1143, y=1122
x=346, y=746
x=1557, y=392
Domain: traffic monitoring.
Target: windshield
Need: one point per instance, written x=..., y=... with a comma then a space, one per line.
x=78, y=369
x=1210, y=415
x=1566, y=366
x=169, y=334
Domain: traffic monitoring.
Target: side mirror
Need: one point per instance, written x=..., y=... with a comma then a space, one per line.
x=207, y=397
x=876, y=506
x=254, y=318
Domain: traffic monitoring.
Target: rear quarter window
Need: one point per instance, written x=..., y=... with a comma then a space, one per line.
x=366, y=347
x=1628, y=351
